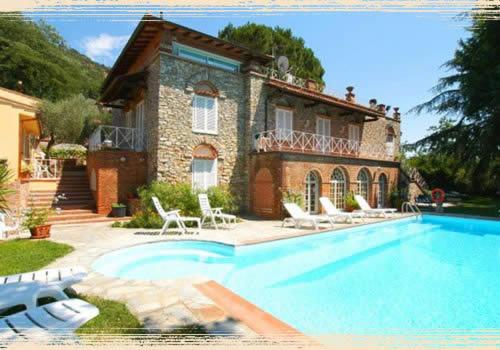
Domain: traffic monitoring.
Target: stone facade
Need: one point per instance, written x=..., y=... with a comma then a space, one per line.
x=176, y=139
x=246, y=105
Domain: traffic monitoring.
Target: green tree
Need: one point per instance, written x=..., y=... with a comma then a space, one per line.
x=263, y=39
x=470, y=98
x=34, y=53
x=70, y=120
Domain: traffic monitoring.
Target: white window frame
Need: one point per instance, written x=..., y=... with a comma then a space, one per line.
x=216, y=112
x=205, y=185
x=323, y=136
x=284, y=133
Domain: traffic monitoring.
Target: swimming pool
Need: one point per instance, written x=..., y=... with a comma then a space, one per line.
x=412, y=274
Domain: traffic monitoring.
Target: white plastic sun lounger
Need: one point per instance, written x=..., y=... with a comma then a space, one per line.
x=298, y=217
x=45, y=323
x=365, y=208
x=26, y=288
x=214, y=213
x=173, y=216
x=332, y=211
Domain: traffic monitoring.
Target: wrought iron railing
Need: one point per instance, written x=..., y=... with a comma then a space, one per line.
x=116, y=137
x=44, y=168
x=286, y=77
x=304, y=142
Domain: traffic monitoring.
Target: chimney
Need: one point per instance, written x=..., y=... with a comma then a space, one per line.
x=350, y=96
x=387, y=109
x=373, y=103
x=381, y=108
x=396, y=115
x=311, y=85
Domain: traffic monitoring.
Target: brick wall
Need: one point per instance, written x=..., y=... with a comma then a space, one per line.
x=18, y=199
x=113, y=174
x=289, y=171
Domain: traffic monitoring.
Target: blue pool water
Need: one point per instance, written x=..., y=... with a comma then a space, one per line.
x=406, y=275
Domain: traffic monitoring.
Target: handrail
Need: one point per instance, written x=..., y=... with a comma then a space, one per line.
x=293, y=140
x=406, y=206
x=44, y=168
x=116, y=137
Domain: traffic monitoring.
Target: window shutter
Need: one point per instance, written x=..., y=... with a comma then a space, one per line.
x=204, y=114
x=354, y=132
x=198, y=178
x=211, y=114
x=211, y=173
x=198, y=113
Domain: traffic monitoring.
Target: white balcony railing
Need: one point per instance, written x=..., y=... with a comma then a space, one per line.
x=287, y=77
x=116, y=137
x=44, y=168
x=304, y=142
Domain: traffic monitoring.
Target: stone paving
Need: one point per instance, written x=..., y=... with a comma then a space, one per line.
x=165, y=304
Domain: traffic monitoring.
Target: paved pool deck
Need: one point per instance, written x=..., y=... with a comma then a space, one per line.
x=173, y=303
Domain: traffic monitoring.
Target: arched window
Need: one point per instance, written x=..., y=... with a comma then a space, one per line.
x=312, y=192
x=363, y=183
x=382, y=190
x=204, y=167
x=338, y=188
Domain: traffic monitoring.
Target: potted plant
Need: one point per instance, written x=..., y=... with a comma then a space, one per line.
x=35, y=220
x=26, y=170
x=350, y=203
x=118, y=210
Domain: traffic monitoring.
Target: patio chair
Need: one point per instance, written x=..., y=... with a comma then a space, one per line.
x=365, y=208
x=332, y=211
x=26, y=288
x=4, y=228
x=48, y=322
x=298, y=217
x=213, y=213
x=169, y=217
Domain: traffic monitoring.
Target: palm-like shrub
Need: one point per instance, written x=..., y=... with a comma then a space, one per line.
x=5, y=177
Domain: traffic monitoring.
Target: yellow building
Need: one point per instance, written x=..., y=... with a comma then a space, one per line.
x=20, y=129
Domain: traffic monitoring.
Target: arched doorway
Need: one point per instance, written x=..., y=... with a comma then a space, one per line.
x=263, y=196
x=312, y=192
x=382, y=191
x=363, y=184
x=338, y=188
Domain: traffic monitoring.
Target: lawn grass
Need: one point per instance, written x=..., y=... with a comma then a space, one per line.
x=476, y=205
x=22, y=255
x=18, y=256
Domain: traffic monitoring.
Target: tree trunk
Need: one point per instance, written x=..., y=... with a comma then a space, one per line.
x=49, y=145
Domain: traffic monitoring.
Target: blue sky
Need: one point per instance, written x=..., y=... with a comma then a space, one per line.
x=393, y=57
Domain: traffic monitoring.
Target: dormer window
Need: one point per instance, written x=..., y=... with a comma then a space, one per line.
x=205, y=57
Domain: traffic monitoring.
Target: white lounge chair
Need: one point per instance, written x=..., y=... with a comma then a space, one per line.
x=4, y=228
x=213, y=213
x=298, y=217
x=332, y=211
x=48, y=322
x=173, y=216
x=365, y=208
x=26, y=288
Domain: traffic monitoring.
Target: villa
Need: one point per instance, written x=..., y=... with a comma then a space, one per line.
x=191, y=107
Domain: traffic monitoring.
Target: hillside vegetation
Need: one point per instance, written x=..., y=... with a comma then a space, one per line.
x=35, y=53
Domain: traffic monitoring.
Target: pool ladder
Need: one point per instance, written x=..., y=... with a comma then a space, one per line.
x=407, y=207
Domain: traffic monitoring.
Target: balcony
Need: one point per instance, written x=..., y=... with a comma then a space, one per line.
x=281, y=140
x=115, y=137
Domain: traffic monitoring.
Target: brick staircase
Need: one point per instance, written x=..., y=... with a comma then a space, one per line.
x=72, y=201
